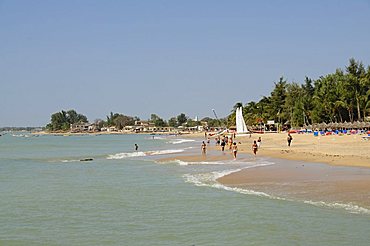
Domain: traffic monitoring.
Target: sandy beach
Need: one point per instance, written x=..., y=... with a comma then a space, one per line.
x=333, y=169
x=342, y=150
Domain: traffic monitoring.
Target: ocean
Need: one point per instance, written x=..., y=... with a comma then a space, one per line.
x=127, y=197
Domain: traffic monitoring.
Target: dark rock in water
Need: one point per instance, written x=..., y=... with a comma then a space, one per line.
x=87, y=159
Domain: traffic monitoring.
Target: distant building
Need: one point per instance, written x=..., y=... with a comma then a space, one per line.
x=83, y=127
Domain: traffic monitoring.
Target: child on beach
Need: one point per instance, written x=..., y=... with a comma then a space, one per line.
x=235, y=150
x=254, y=148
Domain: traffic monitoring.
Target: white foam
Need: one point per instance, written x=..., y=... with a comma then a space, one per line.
x=180, y=141
x=210, y=180
x=185, y=163
x=66, y=161
x=141, y=154
x=165, y=152
x=125, y=155
x=352, y=208
x=155, y=137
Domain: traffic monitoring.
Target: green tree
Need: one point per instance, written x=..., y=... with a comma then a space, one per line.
x=236, y=106
x=172, y=122
x=157, y=120
x=181, y=119
x=120, y=121
x=339, y=96
x=214, y=122
x=277, y=100
x=61, y=121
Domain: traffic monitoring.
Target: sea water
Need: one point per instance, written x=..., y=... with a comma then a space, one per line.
x=127, y=197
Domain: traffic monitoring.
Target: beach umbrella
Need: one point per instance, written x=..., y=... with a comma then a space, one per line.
x=356, y=124
x=333, y=125
x=347, y=124
x=324, y=125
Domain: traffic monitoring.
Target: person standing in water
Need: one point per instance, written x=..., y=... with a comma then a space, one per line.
x=204, y=148
x=235, y=150
x=136, y=147
x=254, y=148
x=223, y=145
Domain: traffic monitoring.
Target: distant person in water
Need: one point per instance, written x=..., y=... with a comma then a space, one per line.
x=204, y=148
x=235, y=150
x=254, y=148
x=136, y=147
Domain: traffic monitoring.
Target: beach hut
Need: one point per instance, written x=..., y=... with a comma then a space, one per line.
x=347, y=125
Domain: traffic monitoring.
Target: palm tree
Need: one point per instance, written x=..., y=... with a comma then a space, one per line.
x=236, y=106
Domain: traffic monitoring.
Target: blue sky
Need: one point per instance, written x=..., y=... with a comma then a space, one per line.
x=166, y=57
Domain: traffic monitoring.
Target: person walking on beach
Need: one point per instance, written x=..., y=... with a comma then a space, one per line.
x=289, y=139
x=136, y=147
x=254, y=148
x=235, y=150
x=259, y=142
x=223, y=145
x=204, y=148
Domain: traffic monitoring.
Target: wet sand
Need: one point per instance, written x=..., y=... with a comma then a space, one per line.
x=306, y=181
x=301, y=171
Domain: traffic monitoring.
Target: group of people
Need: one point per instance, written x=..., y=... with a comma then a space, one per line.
x=232, y=145
x=225, y=141
x=228, y=141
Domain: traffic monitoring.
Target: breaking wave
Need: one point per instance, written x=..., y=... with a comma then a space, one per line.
x=180, y=141
x=352, y=208
x=141, y=154
x=210, y=180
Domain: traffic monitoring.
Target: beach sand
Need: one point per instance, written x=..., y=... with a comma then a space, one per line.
x=306, y=181
x=301, y=170
x=343, y=150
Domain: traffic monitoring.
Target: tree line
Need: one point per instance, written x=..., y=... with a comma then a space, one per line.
x=337, y=97
x=62, y=121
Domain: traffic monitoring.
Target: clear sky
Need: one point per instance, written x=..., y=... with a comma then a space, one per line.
x=166, y=57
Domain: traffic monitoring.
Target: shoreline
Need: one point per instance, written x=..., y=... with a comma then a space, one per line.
x=337, y=150
x=330, y=169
